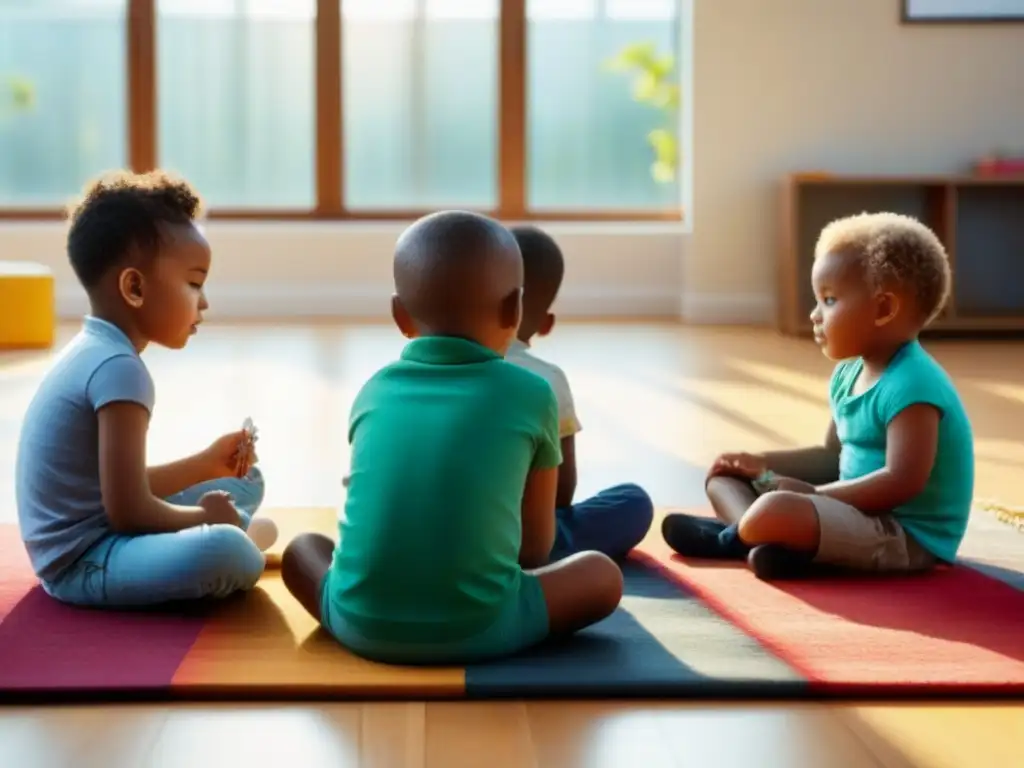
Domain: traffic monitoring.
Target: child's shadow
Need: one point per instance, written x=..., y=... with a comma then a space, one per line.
x=319, y=643
x=958, y=604
x=255, y=613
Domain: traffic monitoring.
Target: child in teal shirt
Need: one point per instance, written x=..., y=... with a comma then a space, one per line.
x=449, y=522
x=891, y=488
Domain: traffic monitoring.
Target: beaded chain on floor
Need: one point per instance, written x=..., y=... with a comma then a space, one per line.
x=1010, y=515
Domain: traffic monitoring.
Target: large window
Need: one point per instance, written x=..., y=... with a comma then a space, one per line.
x=62, y=97
x=236, y=99
x=420, y=103
x=347, y=108
x=586, y=137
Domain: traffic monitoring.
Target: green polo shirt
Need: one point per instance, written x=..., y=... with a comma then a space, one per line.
x=442, y=443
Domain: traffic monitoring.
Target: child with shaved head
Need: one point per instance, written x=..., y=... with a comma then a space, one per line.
x=449, y=522
x=890, y=489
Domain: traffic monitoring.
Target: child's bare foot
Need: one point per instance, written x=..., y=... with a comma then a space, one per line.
x=580, y=590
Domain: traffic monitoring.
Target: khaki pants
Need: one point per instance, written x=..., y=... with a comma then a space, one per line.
x=851, y=539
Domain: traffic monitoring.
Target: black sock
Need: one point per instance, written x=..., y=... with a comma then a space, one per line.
x=772, y=561
x=700, y=537
x=731, y=544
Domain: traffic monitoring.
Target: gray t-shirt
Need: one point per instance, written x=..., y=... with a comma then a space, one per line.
x=57, y=475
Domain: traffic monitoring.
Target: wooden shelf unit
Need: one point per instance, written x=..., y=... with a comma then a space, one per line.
x=979, y=220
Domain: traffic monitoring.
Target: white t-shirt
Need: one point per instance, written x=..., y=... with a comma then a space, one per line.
x=519, y=354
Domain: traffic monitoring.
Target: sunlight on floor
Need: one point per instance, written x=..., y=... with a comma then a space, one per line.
x=814, y=388
x=214, y=736
x=769, y=415
x=278, y=395
x=1014, y=392
x=725, y=415
x=897, y=731
x=657, y=411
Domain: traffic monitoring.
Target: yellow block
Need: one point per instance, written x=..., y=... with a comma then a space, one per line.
x=26, y=306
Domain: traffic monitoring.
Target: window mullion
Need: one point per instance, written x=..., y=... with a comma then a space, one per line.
x=329, y=140
x=512, y=111
x=141, y=78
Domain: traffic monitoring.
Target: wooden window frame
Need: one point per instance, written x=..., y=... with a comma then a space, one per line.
x=143, y=138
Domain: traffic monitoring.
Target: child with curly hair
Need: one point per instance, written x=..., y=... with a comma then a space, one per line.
x=101, y=528
x=890, y=489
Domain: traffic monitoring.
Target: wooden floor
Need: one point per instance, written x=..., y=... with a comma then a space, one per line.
x=657, y=403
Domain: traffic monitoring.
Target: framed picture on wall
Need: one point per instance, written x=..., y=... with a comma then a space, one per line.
x=962, y=11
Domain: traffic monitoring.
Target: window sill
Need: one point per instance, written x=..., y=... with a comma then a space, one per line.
x=383, y=216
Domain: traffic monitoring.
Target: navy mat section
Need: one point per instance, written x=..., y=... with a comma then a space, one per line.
x=994, y=548
x=662, y=641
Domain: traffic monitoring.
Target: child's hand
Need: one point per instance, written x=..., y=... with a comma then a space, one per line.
x=219, y=509
x=225, y=459
x=746, y=465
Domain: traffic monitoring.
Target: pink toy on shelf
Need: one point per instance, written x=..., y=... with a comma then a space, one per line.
x=999, y=166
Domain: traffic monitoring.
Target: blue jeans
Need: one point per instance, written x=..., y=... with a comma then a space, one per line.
x=125, y=571
x=613, y=522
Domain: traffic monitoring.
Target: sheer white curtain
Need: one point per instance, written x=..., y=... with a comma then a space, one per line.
x=420, y=102
x=587, y=138
x=68, y=56
x=236, y=92
x=236, y=100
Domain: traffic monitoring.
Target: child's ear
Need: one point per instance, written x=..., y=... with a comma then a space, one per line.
x=130, y=285
x=546, y=325
x=512, y=309
x=402, y=318
x=888, y=308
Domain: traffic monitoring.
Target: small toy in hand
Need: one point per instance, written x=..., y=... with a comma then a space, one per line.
x=247, y=448
x=765, y=482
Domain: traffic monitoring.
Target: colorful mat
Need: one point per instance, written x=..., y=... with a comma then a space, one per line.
x=684, y=629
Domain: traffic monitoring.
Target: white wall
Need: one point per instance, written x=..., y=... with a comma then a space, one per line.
x=325, y=269
x=778, y=86
x=839, y=85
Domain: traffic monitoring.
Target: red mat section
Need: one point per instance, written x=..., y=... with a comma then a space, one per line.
x=48, y=646
x=953, y=631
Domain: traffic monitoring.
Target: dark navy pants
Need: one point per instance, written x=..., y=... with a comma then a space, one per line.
x=613, y=522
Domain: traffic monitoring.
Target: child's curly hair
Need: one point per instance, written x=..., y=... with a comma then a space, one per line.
x=895, y=250
x=123, y=210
